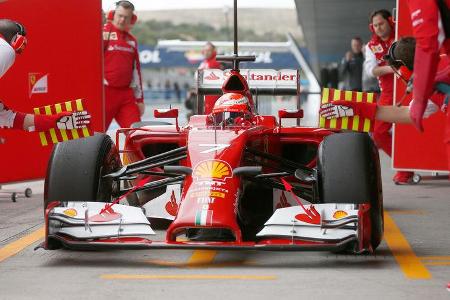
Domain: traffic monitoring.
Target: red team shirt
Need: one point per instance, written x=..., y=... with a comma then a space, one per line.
x=122, y=67
x=376, y=49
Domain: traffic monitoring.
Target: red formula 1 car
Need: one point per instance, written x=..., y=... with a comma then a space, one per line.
x=229, y=180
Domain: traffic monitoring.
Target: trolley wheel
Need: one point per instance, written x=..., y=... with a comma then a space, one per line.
x=14, y=197
x=28, y=192
x=416, y=178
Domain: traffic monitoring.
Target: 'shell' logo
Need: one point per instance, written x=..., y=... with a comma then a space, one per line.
x=212, y=169
x=339, y=214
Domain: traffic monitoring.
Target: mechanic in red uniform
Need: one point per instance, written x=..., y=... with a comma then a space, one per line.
x=209, y=52
x=431, y=28
x=401, y=57
x=124, y=100
x=383, y=29
x=13, y=42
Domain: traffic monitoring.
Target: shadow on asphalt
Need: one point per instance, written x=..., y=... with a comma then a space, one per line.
x=236, y=259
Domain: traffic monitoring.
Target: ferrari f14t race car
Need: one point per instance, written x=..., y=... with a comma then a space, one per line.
x=232, y=179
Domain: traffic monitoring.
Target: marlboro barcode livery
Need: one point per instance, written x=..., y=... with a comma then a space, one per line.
x=354, y=123
x=54, y=136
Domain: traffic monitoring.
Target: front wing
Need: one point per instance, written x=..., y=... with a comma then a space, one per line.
x=89, y=226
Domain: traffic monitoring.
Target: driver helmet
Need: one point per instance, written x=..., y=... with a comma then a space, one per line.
x=229, y=108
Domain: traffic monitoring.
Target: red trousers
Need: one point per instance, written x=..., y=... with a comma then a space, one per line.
x=381, y=130
x=120, y=104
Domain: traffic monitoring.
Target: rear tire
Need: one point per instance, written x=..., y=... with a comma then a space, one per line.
x=349, y=172
x=76, y=168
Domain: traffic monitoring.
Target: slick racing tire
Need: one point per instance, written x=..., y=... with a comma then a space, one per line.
x=76, y=168
x=349, y=172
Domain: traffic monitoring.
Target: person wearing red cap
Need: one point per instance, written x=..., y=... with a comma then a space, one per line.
x=383, y=28
x=13, y=42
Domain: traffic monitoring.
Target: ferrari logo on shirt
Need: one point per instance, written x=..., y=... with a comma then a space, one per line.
x=112, y=36
x=37, y=83
x=376, y=49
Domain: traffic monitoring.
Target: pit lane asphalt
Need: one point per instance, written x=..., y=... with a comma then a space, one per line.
x=417, y=267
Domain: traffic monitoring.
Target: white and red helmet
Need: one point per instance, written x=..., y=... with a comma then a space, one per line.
x=232, y=102
x=231, y=109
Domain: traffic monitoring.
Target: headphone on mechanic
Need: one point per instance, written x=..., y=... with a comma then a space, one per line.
x=403, y=69
x=18, y=41
x=385, y=14
x=110, y=15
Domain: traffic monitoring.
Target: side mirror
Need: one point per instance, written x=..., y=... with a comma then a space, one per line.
x=178, y=170
x=290, y=114
x=247, y=171
x=167, y=113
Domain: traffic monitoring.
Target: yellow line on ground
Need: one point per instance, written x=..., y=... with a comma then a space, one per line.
x=165, y=263
x=437, y=263
x=435, y=258
x=185, y=277
x=201, y=258
x=407, y=212
x=15, y=247
x=409, y=263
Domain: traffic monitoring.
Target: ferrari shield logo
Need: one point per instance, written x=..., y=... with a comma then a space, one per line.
x=38, y=83
x=376, y=48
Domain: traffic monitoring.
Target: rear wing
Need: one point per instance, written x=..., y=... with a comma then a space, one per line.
x=260, y=81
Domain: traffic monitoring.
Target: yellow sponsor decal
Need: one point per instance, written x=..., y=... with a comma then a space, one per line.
x=207, y=194
x=217, y=194
x=70, y=212
x=212, y=169
x=339, y=214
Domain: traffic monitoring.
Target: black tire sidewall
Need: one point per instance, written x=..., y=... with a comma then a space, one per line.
x=349, y=172
x=76, y=168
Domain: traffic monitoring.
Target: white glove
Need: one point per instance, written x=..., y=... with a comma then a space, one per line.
x=75, y=120
x=332, y=111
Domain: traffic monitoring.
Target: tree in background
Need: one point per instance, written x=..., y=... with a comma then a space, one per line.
x=151, y=31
